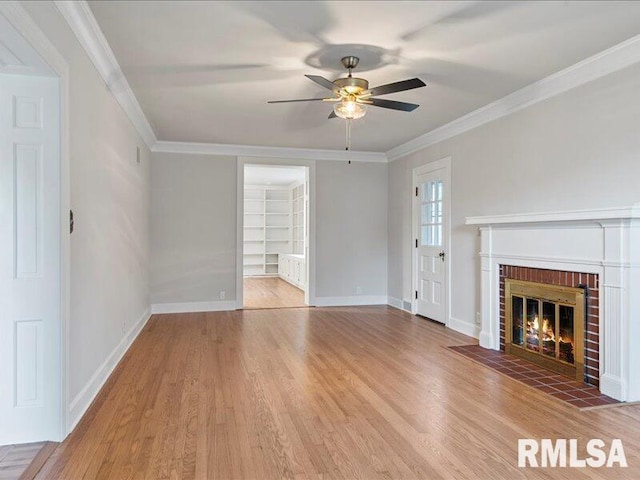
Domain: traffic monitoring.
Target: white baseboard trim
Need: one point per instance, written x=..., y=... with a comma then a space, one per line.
x=613, y=386
x=351, y=301
x=82, y=401
x=461, y=326
x=193, y=307
x=397, y=303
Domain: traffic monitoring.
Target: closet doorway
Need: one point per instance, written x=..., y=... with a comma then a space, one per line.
x=275, y=236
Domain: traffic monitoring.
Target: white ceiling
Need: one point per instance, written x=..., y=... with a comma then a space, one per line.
x=273, y=175
x=203, y=71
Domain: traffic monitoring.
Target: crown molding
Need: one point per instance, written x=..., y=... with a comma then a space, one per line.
x=608, y=61
x=267, y=152
x=83, y=24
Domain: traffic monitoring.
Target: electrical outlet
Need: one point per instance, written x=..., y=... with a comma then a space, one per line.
x=478, y=318
x=138, y=155
x=358, y=290
x=223, y=294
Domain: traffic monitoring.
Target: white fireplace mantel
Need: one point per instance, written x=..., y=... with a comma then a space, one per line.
x=603, y=241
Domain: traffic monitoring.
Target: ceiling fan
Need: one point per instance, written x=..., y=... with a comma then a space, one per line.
x=352, y=95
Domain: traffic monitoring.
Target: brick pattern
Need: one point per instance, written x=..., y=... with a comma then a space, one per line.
x=564, y=279
x=577, y=394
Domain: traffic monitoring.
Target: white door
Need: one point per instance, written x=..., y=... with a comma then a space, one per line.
x=430, y=245
x=29, y=259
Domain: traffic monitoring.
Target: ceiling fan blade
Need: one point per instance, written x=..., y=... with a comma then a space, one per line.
x=299, y=100
x=328, y=84
x=395, y=87
x=392, y=104
x=332, y=115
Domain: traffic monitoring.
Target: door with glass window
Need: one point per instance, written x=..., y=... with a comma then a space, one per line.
x=430, y=245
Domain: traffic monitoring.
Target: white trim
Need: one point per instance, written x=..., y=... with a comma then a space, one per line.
x=630, y=212
x=193, y=307
x=398, y=303
x=395, y=303
x=24, y=24
x=82, y=401
x=267, y=152
x=608, y=61
x=469, y=329
x=352, y=301
x=240, y=234
x=83, y=24
x=443, y=163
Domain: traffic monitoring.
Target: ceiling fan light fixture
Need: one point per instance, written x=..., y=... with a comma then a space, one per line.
x=350, y=109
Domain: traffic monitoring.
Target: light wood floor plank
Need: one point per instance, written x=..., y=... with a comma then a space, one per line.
x=271, y=292
x=321, y=393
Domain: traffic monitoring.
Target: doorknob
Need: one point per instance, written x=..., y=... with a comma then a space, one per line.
x=441, y=255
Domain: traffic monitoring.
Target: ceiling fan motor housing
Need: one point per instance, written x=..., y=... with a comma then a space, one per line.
x=352, y=85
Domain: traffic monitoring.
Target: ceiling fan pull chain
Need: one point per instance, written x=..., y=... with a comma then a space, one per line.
x=348, y=139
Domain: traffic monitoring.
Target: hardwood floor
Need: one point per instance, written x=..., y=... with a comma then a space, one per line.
x=330, y=393
x=23, y=461
x=271, y=292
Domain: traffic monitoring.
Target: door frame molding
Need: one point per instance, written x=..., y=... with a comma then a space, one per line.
x=310, y=263
x=442, y=164
x=15, y=13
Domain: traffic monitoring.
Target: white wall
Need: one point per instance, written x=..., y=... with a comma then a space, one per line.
x=578, y=150
x=193, y=228
x=193, y=225
x=110, y=200
x=351, y=229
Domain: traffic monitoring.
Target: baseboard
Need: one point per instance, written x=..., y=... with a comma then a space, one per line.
x=461, y=326
x=351, y=301
x=82, y=401
x=613, y=386
x=193, y=307
x=397, y=303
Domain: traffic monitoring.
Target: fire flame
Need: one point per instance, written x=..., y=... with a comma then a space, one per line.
x=547, y=331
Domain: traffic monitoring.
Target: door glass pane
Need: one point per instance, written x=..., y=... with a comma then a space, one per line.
x=548, y=329
x=431, y=213
x=533, y=325
x=517, y=316
x=566, y=334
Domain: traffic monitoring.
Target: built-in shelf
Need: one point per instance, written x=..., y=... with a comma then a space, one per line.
x=267, y=214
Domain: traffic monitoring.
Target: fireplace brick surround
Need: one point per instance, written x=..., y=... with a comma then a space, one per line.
x=599, y=248
x=563, y=279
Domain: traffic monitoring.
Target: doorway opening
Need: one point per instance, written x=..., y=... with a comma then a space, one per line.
x=275, y=236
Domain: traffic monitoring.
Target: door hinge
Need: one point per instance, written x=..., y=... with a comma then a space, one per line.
x=416, y=191
x=70, y=222
x=416, y=243
x=416, y=294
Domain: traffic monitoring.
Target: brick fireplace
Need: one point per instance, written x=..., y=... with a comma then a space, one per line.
x=596, y=249
x=561, y=278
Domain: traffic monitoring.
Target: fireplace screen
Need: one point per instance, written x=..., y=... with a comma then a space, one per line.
x=544, y=324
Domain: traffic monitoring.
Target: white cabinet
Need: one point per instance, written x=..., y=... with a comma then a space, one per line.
x=292, y=269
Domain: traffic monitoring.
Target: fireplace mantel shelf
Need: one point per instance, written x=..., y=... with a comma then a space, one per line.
x=617, y=213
